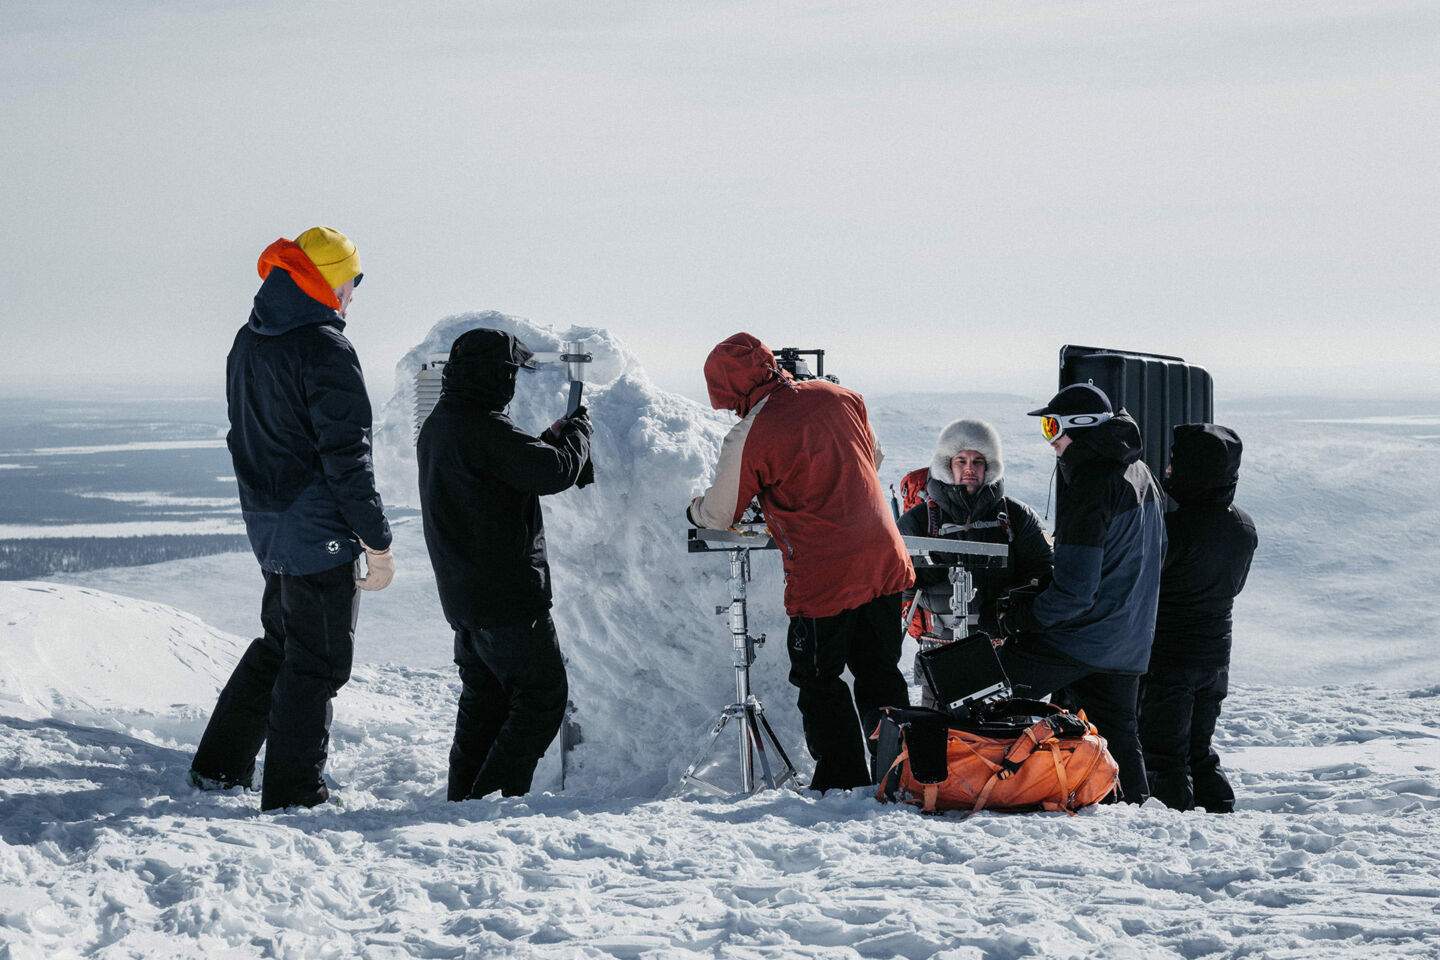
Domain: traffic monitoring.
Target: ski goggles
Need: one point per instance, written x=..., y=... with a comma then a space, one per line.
x=1053, y=426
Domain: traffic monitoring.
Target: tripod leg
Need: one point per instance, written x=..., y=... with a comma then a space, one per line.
x=714, y=738
x=784, y=758
x=759, y=742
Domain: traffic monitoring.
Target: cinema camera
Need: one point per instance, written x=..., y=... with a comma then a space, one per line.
x=791, y=359
x=429, y=379
x=957, y=660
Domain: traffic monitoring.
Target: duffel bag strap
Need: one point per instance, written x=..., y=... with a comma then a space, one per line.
x=880, y=787
x=1026, y=744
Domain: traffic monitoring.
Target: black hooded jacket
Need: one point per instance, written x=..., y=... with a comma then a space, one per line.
x=481, y=480
x=1211, y=545
x=300, y=434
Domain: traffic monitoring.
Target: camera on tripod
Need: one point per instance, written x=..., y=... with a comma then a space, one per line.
x=791, y=359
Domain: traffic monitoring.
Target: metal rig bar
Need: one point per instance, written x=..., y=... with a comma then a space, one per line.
x=920, y=545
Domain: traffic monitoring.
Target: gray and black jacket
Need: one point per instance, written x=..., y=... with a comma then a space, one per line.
x=1109, y=548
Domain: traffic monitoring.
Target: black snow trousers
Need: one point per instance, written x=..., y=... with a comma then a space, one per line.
x=867, y=640
x=1179, y=704
x=1108, y=699
x=280, y=692
x=513, y=692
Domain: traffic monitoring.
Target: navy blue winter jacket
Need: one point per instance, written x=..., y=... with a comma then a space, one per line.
x=1109, y=547
x=300, y=434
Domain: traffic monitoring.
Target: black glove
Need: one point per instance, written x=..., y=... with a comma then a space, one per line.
x=1015, y=610
x=578, y=422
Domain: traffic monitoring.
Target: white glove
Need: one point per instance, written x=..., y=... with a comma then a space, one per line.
x=379, y=569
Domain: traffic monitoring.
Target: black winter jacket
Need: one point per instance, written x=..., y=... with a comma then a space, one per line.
x=1109, y=547
x=1211, y=545
x=481, y=479
x=978, y=518
x=300, y=434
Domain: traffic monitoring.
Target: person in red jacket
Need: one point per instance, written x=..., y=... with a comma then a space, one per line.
x=805, y=451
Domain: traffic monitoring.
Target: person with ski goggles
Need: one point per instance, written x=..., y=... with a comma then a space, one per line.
x=1090, y=629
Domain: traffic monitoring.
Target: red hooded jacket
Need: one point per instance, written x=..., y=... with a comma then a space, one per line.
x=806, y=451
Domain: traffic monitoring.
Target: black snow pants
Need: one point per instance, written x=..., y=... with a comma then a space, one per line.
x=513, y=693
x=1108, y=699
x=867, y=640
x=1179, y=705
x=280, y=692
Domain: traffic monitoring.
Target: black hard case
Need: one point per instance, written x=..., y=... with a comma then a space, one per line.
x=1158, y=391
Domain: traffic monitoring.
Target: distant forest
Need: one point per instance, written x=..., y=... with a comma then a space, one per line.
x=39, y=557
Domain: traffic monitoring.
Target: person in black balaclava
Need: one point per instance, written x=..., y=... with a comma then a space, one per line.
x=481, y=479
x=1091, y=628
x=1206, y=564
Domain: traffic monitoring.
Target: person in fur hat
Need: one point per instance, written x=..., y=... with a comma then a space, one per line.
x=965, y=500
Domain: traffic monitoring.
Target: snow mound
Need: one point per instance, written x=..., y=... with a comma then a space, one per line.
x=70, y=649
x=649, y=660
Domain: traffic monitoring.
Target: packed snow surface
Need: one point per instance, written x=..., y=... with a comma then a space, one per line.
x=1329, y=732
x=106, y=851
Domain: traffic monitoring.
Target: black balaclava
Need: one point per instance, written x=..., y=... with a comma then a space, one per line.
x=482, y=367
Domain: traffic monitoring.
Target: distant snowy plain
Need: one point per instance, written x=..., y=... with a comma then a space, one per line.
x=107, y=679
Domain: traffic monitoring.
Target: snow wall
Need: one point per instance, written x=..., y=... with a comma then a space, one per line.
x=649, y=658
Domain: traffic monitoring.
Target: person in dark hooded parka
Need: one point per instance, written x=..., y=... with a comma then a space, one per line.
x=1091, y=628
x=300, y=443
x=1211, y=543
x=965, y=500
x=481, y=479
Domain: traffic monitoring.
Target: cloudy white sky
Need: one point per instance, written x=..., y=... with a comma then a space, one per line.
x=940, y=194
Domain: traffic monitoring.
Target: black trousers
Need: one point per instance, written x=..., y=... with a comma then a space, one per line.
x=513, y=693
x=867, y=640
x=1108, y=699
x=280, y=692
x=1179, y=705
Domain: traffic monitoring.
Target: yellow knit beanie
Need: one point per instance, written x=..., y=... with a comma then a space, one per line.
x=332, y=252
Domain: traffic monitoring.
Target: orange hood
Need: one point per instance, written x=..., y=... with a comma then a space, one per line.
x=290, y=258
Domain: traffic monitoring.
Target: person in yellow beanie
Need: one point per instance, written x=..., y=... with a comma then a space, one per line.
x=299, y=437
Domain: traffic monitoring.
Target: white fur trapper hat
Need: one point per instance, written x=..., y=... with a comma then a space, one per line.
x=967, y=435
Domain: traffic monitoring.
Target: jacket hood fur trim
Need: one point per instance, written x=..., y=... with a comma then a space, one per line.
x=967, y=435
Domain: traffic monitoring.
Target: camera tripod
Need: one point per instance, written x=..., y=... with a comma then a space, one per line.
x=747, y=711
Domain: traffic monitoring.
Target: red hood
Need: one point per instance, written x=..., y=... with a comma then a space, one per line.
x=740, y=371
x=290, y=258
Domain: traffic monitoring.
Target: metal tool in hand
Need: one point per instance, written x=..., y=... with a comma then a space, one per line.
x=572, y=354
x=755, y=730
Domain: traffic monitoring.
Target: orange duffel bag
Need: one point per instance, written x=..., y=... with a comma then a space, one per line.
x=1018, y=755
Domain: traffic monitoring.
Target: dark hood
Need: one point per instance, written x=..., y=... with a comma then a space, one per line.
x=1204, y=464
x=281, y=306
x=482, y=367
x=958, y=506
x=1116, y=440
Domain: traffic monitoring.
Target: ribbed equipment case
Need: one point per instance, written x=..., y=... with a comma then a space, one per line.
x=1158, y=390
